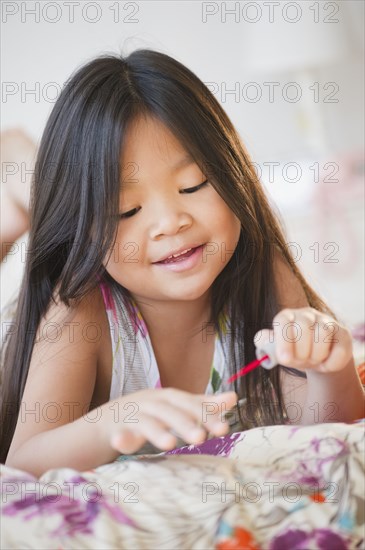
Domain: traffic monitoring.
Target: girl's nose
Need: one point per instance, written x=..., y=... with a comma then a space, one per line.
x=168, y=219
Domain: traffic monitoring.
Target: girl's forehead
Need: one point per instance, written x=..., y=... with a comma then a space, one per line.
x=148, y=133
x=148, y=143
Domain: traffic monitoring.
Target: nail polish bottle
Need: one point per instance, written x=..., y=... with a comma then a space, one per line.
x=267, y=349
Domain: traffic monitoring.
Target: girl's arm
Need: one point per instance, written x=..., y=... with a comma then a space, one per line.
x=75, y=445
x=53, y=428
x=333, y=396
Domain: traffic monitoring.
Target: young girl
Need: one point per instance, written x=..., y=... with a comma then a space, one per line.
x=155, y=265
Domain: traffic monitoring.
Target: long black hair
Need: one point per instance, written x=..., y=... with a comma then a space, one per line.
x=75, y=197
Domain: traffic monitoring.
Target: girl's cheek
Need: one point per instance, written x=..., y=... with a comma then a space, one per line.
x=130, y=253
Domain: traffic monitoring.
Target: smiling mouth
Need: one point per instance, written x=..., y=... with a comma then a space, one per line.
x=178, y=257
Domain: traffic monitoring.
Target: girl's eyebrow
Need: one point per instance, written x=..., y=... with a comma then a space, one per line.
x=184, y=161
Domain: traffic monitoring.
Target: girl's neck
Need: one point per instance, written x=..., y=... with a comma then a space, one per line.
x=176, y=320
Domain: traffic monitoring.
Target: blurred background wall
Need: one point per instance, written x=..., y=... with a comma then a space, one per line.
x=289, y=74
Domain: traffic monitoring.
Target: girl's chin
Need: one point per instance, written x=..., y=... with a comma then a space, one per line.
x=183, y=294
x=179, y=289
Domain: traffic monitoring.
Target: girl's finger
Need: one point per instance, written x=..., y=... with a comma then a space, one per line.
x=225, y=402
x=163, y=435
x=324, y=337
x=284, y=335
x=340, y=354
x=207, y=410
x=129, y=440
x=303, y=328
x=182, y=422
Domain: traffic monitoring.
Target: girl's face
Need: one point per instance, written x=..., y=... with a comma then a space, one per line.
x=169, y=209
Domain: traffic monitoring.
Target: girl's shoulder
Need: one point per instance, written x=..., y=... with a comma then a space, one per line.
x=89, y=309
x=84, y=322
x=88, y=328
x=66, y=365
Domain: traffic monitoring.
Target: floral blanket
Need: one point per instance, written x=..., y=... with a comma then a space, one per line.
x=268, y=488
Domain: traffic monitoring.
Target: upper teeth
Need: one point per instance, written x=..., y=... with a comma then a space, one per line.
x=180, y=253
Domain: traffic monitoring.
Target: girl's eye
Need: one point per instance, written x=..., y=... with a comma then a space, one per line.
x=196, y=188
x=128, y=214
x=131, y=213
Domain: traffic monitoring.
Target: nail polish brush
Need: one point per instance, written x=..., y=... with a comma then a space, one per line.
x=266, y=357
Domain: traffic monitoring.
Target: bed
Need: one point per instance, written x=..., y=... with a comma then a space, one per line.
x=268, y=488
x=276, y=487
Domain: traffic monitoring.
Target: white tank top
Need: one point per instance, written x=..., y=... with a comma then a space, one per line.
x=134, y=364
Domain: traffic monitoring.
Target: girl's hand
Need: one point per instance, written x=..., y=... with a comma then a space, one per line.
x=151, y=415
x=307, y=339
